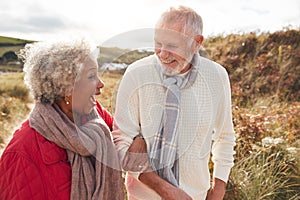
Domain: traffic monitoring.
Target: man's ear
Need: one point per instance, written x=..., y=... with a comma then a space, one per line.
x=199, y=39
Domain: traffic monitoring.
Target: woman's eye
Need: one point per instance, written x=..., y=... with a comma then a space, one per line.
x=92, y=76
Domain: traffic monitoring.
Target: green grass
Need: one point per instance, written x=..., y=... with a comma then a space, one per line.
x=11, y=40
x=8, y=44
x=6, y=49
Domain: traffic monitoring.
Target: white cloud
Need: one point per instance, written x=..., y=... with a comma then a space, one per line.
x=104, y=20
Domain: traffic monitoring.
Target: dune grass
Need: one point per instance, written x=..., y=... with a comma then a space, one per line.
x=264, y=74
x=14, y=104
x=267, y=165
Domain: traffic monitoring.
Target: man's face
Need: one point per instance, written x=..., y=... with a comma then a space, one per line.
x=174, y=49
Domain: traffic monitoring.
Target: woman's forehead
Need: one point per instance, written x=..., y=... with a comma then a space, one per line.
x=88, y=64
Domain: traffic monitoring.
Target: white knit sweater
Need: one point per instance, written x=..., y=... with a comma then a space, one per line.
x=205, y=123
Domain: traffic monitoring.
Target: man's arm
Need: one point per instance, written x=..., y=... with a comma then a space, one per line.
x=163, y=188
x=224, y=136
x=224, y=142
x=137, y=156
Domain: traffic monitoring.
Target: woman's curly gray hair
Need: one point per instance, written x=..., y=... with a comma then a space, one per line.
x=51, y=67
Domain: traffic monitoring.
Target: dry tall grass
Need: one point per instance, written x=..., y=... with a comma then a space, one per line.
x=14, y=104
x=265, y=77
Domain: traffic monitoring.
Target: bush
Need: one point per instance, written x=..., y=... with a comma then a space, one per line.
x=266, y=174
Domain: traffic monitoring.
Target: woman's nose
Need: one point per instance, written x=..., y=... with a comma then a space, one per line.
x=99, y=86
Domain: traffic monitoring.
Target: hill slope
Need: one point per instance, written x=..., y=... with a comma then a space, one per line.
x=260, y=65
x=12, y=41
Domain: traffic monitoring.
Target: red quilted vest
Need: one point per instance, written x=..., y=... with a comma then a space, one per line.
x=32, y=167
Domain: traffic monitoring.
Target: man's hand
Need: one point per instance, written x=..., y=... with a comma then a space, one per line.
x=163, y=188
x=136, y=158
x=217, y=191
x=176, y=194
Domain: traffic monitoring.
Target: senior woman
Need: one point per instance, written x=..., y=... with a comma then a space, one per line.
x=64, y=149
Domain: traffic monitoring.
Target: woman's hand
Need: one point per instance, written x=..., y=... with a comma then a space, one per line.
x=136, y=158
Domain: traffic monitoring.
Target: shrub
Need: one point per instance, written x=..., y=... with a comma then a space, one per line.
x=266, y=174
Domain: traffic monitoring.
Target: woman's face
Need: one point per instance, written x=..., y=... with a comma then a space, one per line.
x=86, y=86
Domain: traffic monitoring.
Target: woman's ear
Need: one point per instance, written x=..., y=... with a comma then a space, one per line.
x=65, y=104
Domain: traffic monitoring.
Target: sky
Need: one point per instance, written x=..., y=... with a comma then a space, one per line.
x=119, y=23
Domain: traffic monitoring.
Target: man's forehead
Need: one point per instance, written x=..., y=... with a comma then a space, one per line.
x=170, y=34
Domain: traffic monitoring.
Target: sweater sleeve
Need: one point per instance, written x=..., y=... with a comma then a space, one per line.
x=20, y=178
x=126, y=124
x=224, y=137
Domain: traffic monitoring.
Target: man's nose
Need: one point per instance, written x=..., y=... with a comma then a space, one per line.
x=164, y=53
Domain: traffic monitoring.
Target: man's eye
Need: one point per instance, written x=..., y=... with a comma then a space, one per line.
x=171, y=46
x=157, y=44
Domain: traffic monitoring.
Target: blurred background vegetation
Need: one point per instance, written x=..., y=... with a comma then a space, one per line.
x=264, y=71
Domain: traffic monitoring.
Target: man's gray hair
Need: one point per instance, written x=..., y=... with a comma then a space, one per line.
x=192, y=21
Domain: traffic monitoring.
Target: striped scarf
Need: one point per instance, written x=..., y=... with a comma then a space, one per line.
x=163, y=154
